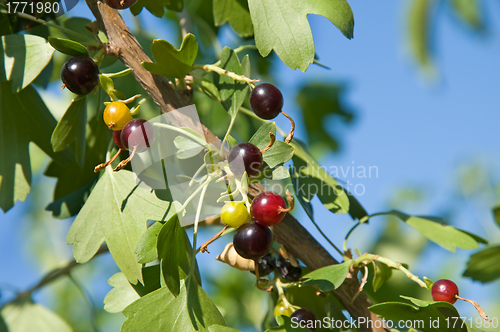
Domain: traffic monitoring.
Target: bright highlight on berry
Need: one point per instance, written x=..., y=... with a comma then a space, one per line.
x=80, y=75
x=117, y=115
x=245, y=157
x=252, y=241
x=268, y=208
x=234, y=214
x=444, y=290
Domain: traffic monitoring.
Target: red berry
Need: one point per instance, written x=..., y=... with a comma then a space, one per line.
x=118, y=139
x=80, y=75
x=266, y=101
x=252, y=241
x=138, y=133
x=305, y=316
x=245, y=157
x=444, y=290
x=267, y=208
x=120, y=4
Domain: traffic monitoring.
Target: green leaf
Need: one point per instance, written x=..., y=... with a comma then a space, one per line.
x=160, y=311
x=419, y=27
x=78, y=24
x=496, y=214
x=261, y=137
x=155, y=7
x=446, y=236
x=220, y=328
x=74, y=183
x=328, y=278
x=282, y=26
x=25, y=56
x=69, y=47
x=72, y=128
x=322, y=108
x=152, y=280
x=236, y=13
x=278, y=154
x=470, y=12
x=146, y=248
x=187, y=148
x=174, y=251
x=116, y=213
x=24, y=315
x=280, y=173
x=231, y=141
x=430, y=316
x=233, y=93
x=107, y=83
x=313, y=179
x=484, y=265
x=171, y=62
x=24, y=118
x=122, y=294
x=381, y=273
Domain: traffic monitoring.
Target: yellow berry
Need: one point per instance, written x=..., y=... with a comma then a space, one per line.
x=234, y=214
x=117, y=115
x=280, y=309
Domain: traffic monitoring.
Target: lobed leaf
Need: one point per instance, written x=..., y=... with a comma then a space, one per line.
x=24, y=58
x=236, y=13
x=192, y=310
x=282, y=26
x=171, y=62
x=116, y=213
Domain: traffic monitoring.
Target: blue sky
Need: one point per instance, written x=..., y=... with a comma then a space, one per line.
x=415, y=131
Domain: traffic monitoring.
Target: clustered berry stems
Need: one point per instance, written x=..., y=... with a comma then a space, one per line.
x=290, y=200
x=124, y=163
x=234, y=76
x=102, y=166
x=368, y=258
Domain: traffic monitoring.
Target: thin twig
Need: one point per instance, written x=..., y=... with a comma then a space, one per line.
x=204, y=246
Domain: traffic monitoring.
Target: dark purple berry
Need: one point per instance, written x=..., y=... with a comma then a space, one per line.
x=245, y=157
x=138, y=133
x=287, y=271
x=266, y=265
x=118, y=139
x=252, y=241
x=80, y=75
x=266, y=101
x=306, y=317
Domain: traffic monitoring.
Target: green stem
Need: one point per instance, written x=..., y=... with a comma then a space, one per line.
x=119, y=74
x=370, y=258
x=349, y=234
x=327, y=239
x=221, y=71
x=245, y=47
x=252, y=114
x=93, y=320
x=40, y=21
x=182, y=131
x=231, y=124
x=190, y=198
x=195, y=230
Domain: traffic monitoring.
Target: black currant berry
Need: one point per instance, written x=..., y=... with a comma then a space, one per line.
x=80, y=75
x=245, y=157
x=267, y=208
x=287, y=271
x=266, y=101
x=120, y=4
x=444, y=290
x=252, y=241
x=138, y=133
x=266, y=265
x=306, y=317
